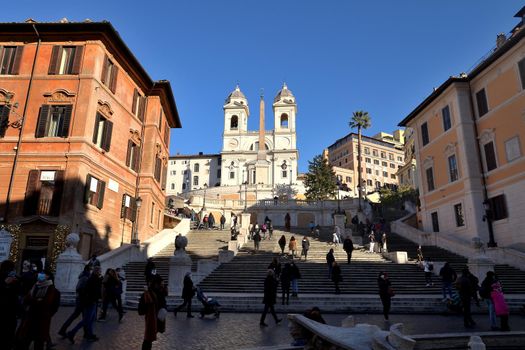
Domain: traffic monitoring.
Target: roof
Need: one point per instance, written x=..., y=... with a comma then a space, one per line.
x=236, y=93
x=105, y=32
x=284, y=92
x=197, y=156
x=366, y=138
x=509, y=44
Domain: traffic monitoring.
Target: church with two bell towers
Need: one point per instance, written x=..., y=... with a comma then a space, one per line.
x=264, y=157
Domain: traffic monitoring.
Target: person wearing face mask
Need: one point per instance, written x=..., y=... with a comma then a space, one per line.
x=41, y=304
x=9, y=289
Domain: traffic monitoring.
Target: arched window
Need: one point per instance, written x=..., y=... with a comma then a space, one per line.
x=284, y=120
x=234, y=122
x=255, y=146
x=196, y=167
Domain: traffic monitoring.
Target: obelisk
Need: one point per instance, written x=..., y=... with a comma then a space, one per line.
x=261, y=166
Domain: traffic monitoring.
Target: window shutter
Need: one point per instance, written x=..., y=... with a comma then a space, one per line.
x=101, y=190
x=164, y=174
x=134, y=103
x=135, y=165
x=4, y=118
x=32, y=192
x=42, y=121
x=18, y=57
x=86, y=189
x=128, y=155
x=114, y=75
x=95, y=129
x=133, y=211
x=1, y=50
x=53, y=63
x=57, y=193
x=67, y=120
x=142, y=103
x=123, y=207
x=77, y=60
x=105, y=70
x=106, y=138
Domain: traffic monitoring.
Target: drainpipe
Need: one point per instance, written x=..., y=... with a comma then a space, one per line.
x=19, y=142
x=488, y=212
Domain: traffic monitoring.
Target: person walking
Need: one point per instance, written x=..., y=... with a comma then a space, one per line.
x=211, y=221
x=41, y=305
x=337, y=276
x=188, y=292
x=385, y=293
x=330, y=261
x=152, y=305
x=93, y=262
x=448, y=276
x=264, y=228
x=282, y=243
x=9, y=303
x=311, y=226
x=295, y=275
x=82, y=280
x=270, y=230
x=485, y=292
x=420, y=257
x=223, y=221
x=317, y=232
x=287, y=220
x=428, y=268
x=292, y=246
x=335, y=238
x=286, y=278
x=256, y=241
x=305, y=244
x=275, y=266
x=466, y=291
x=348, y=247
x=112, y=289
x=500, y=305
x=269, y=299
x=150, y=270
x=372, y=239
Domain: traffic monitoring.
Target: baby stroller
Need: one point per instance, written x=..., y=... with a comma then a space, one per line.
x=209, y=305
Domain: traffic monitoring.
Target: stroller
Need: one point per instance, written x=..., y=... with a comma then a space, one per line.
x=209, y=305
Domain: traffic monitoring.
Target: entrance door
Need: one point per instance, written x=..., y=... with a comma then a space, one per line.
x=36, y=248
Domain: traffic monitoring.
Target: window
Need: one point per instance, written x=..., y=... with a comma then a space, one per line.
x=196, y=167
x=10, y=57
x=172, y=186
x=435, y=221
x=385, y=174
x=424, y=134
x=452, y=168
x=128, y=209
x=234, y=122
x=385, y=164
x=393, y=176
x=158, y=168
x=445, y=113
x=490, y=156
x=367, y=150
x=4, y=119
x=65, y=60
x=109, y=74
x=94, y=192
x=232, y=175
x=368, y=171
x=376, y=162
x=377, y=172
x=368, y=160
x=183, y=186
x=102, y=132
x=195, y=181
x=498, y=207
x=430, y=179
x=44, y=192
x=348, y=179
x=132, y=157
x=284, y=120
x=138, y=105
x=521, y=67
x=390, y=156
x=173, y=172
x=383, y=155
x=284, y=174
x=374, y=153
x=458, y=213
x=399, y=159
x=368, y=183
x=481, y=100
x=512, y=147
x=392, y=165
x=53, y=121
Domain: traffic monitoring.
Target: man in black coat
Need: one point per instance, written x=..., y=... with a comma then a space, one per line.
x=348, y=247
x=330, y=261
x=466, y=292
x=188, y=291
x=270, y=297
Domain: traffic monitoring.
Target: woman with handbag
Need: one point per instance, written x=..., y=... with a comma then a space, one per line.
x=152, y=305
x=385, y=293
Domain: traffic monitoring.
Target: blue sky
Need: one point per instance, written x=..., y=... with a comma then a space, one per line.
x=336, y=56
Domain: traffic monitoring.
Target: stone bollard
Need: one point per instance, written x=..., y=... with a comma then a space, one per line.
x=69, y=265
x=348, y=322
x=475, y=343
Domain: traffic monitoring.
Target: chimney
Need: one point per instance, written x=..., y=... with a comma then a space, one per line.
x=501, y=38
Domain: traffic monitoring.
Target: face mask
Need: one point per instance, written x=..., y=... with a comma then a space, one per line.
x=41, y=277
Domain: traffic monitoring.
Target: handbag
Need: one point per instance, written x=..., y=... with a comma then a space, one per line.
x=391, y=292
x=161, y=315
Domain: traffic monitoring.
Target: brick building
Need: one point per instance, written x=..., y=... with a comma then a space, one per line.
x=84, y=131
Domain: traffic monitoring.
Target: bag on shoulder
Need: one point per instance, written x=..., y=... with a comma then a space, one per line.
x=391, y=292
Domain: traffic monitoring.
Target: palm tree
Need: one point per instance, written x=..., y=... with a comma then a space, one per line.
x=360, y=120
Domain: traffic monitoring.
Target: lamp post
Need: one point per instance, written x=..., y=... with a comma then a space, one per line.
x=488, y=216
x=204, y=200
x=134, y=236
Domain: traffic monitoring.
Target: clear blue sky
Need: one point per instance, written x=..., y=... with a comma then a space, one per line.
x=336, y=56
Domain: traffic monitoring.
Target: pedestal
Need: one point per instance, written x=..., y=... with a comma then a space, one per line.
x=69, y=266
x=245, y=225
x=180, y=264
x=480, y=265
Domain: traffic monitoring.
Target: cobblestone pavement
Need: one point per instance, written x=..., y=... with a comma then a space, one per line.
x=241, y=331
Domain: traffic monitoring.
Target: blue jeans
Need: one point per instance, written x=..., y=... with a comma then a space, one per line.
x=447, y=288
x=492, y=313
x=295, y=286
x=89, y=314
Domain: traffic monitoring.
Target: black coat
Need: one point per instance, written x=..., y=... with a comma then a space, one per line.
x=337, y=276
x=187, y=290
x=348, y=245
x=330, y=259
x=270, y=291
x=92, y=291
x=384, y=285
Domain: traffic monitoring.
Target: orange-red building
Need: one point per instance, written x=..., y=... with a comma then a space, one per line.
x=84, y=131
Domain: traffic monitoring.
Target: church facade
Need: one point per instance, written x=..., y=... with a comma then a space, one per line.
x=242, y=159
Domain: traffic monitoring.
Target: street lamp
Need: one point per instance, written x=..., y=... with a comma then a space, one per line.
x=204, y=201
x=134, y=237
x=488, y=217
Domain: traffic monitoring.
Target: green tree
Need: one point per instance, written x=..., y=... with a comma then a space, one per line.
x=359, y=120
x=320, y=181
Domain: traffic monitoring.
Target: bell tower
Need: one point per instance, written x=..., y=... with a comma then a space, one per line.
x=236, y=113
x=284, y=110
